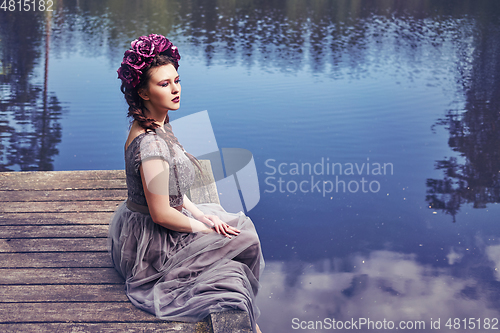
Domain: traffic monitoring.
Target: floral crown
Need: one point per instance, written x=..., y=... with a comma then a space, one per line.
x=141, y=54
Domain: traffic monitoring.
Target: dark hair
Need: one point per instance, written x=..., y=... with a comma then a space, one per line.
x=136, y=106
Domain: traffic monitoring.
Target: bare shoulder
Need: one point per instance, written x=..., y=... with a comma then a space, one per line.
x=134, y=132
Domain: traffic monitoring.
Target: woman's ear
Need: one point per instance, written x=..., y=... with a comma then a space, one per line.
x=143, y=94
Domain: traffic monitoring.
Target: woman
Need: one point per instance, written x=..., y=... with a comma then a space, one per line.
x=180, y=261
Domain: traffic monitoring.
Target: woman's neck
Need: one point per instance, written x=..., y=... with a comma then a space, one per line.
x=158, y=115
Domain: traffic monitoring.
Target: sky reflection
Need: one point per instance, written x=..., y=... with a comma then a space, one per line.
x=382, y=285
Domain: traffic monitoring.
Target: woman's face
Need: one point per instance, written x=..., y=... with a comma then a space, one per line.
x=163, y=91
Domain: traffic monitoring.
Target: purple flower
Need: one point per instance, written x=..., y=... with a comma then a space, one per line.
x=129, y=75
x=144, y=46
x=141, y=54
x=161, y=43
x=134, y=59
x=174, y=53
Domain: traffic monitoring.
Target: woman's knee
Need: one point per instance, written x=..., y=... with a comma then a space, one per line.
x=251, y=245
x=250, y=238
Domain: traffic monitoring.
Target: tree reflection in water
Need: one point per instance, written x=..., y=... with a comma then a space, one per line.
x=29, y=123
x=474, y=132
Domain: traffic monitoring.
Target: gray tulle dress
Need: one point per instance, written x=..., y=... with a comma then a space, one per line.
x=175, y=275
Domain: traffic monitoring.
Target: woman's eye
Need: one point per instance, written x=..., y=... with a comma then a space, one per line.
x=177, y=81
x=165, y=84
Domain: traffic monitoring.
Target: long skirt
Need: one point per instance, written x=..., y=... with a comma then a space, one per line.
x=186, y=276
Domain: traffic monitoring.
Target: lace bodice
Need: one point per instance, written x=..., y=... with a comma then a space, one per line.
x=151, y=145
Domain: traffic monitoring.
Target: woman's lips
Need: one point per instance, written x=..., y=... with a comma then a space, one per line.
x=176, y=100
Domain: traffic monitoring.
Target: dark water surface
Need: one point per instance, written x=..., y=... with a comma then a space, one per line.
x=410, y=85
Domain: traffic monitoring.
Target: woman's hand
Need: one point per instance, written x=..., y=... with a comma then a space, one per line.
x=221, y=227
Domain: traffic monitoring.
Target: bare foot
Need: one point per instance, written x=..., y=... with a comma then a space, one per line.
x=258, y=329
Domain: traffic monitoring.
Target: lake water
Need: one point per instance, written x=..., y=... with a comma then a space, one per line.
x=374, y=127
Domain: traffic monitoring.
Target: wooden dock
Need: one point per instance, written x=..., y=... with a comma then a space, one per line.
x=55, y=272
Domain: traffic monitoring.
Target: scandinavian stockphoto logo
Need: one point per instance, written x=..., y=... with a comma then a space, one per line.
x=233, y=168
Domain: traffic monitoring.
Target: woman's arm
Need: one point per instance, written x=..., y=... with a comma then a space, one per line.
x=211, y=220
x=155, y=177
x=191, y=207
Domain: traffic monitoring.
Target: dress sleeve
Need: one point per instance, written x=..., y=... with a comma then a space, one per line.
x=151, y=146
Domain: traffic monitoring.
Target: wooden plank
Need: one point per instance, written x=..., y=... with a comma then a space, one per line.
x=9, y=179
x=60, y=206
x=129, y=327
x=51, y=218
x=52, y=244
x=230, y=321
x=64, y=275
x=73, y=312
x=63, y=293
x=55, y=259
x=63, y=195
x=59, y=231
x=64, y=184
x=55, y=271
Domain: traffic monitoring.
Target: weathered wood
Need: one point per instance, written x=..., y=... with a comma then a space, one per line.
x=63, y=293
x=55, y=272
x=23, y=218
x=36, y=176
x=73, y=312
x=107, y=327
x=62, y=195
x=59, y=231
x=55, y=259
x=61, y=206
x=66, y=184
x=52, y=245
x=230, y=321
x=61, y=275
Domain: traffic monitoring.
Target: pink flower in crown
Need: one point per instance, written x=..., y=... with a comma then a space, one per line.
x=134, y=60
x=174, y=53
x=141, y=54
x=160, y=42
x=129, y=75
x=144, y=46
